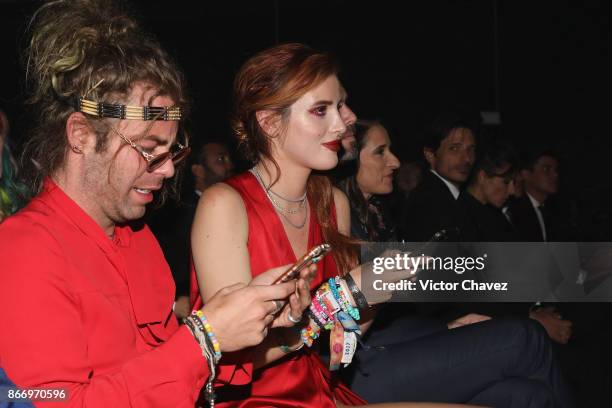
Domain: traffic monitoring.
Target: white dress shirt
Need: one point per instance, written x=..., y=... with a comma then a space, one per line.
x=453, y=188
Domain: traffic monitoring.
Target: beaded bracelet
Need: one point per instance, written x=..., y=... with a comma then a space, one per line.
x=324, y=312
x=317, y=310
x=197, y=329
x=210, y=334
x=341, y=296
x=310, y=333
x=334, y=290
x=327, y=296
x=342, y=283
x=314, y=318
x=343, y=290
x=321, y=312
x=338, y=292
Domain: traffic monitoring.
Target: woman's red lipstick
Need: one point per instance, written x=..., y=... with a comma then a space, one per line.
x=333, y=146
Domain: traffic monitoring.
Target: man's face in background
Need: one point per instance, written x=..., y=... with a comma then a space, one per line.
x=455, y=156
x=543, y=178
x=216, y=164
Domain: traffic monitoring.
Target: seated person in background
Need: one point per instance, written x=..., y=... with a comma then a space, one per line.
x=449, y=149
x=582, y=330
x=409, y=176
x=490, y=185
x=531, y=214
x=372, y=179
x=348, y=151
x=214, y=164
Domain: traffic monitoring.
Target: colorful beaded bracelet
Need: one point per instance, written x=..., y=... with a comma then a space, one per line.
x=343, y=298
x=318, y=309
x=314, y=318
x=322, y=309
x=210, y=334
x=328, y=300
x=310, y=333
x=195, y=324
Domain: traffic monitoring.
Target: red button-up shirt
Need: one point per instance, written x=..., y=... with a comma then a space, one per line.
x=90, y=315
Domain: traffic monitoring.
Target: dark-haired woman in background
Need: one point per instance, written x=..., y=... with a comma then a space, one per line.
x=373, y=177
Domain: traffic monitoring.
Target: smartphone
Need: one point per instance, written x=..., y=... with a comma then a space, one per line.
x=312, y=256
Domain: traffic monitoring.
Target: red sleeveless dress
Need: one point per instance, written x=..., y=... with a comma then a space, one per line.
x=301, y=379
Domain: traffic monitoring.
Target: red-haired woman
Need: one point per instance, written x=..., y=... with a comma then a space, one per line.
x=290, y=115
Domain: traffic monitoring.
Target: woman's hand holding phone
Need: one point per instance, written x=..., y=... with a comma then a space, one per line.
x=297, y=302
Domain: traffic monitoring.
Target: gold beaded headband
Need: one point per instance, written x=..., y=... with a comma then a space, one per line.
x=109, y=110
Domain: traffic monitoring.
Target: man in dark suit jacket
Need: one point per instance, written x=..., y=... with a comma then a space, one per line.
x=531, y=215
x=171, y=224
x=450, y=151
x=536, y=219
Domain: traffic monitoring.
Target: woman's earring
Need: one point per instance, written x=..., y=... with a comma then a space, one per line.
x=77, y=149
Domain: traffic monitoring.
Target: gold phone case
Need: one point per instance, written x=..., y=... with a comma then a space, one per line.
x=312, y=256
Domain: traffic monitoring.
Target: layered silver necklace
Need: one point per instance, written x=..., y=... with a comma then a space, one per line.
x=284, y=212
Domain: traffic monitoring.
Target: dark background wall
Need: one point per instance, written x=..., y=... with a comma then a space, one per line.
x=542, y=64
